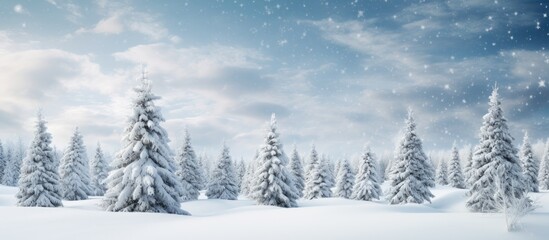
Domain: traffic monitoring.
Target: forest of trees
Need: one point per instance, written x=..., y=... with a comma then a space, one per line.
x=147, y=176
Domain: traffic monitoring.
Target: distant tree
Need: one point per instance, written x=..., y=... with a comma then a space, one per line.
x=99, y=170
x=143, y=177
x=497, y=179
x=442, y=173
x=297, y=172
x=13, y=167
x=345, y=180
x=468, y=169
x=2, y=161
x=223, y=183
x=73, y=169
x=316, y=185
x=39, y=183
x=543, y=177
x=455, y=176
x=188, y=170
x=248, y=178
x=240, y=172
x=412, y=173
x=367, y=186
x=328, y=169
x=530, y=165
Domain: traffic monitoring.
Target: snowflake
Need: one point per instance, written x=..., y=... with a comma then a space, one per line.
x=541, y=83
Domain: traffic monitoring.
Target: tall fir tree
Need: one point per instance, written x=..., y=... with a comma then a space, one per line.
x=143, y=177
x=345, y=180
x=273, y=184
x=316, y=185
x=497, y=176
x=530, y=165
x=223, y=183
x=188, y=170
x=99, y=170
x=39, y=183
x=297, y=172
x=442, y=173
x=455, y=174
x=367, y=186
x=543, y=177
x=73, y=170
x=412, y=173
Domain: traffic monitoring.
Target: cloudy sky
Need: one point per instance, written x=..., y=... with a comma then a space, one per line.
x=336, y=73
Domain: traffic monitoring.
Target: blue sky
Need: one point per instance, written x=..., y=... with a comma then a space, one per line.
x=337, y=73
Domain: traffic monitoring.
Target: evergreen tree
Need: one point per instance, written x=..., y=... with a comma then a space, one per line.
x=240, y=172
x=316, y=185
x=497, y=178
x=273, y=184
x=39, y=183
x=328, y=168
x=411, y=174
x=345, y=180
x=188, y=171
x=73, y=169
x=223, y=182
x=297, y=172
x=2, y=161
x=367, y=185
x=543, y=177
x=468, y=169
x=455, y=176
x=442, y=173
x=143, y=177
x=12, y=169
x=530, y=165
x=99, y=170
x=205, y=168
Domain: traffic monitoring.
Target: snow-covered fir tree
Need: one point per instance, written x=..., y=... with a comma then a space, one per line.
x=530, y=165
x=328, y=168
x=345, y=180
x=468, y=169
x=249, y=176
x=455, y=174
x=411, y=173
x=39, y=183
x=223, y=183
x=543, y=177
x=12, y=168
x=2, y=161
x=273, y=184
x=206, y=168
x=240, y=172
x=367, y=184
x=143, y=177
x=442, y=173
x=188, y=170
x=99, y=170
x=297, y=172
x=316, y=183
x=497, y=179
x=72, y=170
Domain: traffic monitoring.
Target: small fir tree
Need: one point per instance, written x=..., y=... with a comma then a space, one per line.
x=367, y=185
x=543, y=177
x=99, y=170
x=297, y=172
x=188, y=171
x=455, y=176
x=39, y=183
x=442, y=173
x=411, y=174
x=345, y=180
x=223, y=183
x=530, y=165
x=316, y=185
x=73, y=170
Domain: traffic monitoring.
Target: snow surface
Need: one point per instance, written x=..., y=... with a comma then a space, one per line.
x=329, y=218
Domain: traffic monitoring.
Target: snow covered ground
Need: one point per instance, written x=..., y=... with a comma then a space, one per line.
x=334, y=218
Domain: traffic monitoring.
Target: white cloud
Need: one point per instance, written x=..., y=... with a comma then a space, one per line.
x=110, y=25
x=18, y=8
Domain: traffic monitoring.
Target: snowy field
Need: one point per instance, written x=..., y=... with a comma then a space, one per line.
x=334, y=218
